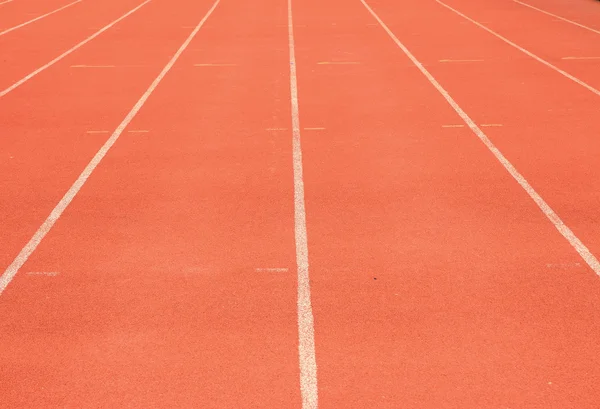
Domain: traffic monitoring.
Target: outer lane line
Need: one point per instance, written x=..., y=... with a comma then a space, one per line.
x=4, y=2
x=8, y=30
x=566, y=232
x=529, y=53
x=306, y=330
x=39, y=235
x=69, y=51
x=558, y=17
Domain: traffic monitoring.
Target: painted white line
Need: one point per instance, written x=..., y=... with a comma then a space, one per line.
x=215, y=65
x=93, y=66
x=529, y=53
x=69, y=51
x=306, y=327
x=580, y=58
x=8, y=30
x=338, y=63
x=460, y=60
x=276, y=129
x=30, y=247
x=4, y=2
x=491, y=125
x=558, y=17
x=453, y=126
x=95, y=132
x=43, y=273
x=271, y=270
x=583, y=251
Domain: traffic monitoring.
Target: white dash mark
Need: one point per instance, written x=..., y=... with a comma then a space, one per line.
x=96, y=132
x=43, y=273
x=580, y=58
x=453, y=126
x=8, y=30
x=215, y=65
x=69, y=51
x=306, y=327
x=271, y=270
x=490, y=125
x=338, y=63
x=545, y=208
x=58, y=210
x=460, y=60
x=276, y=129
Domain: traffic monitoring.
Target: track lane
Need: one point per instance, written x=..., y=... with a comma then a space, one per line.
x=566, y=46
x=55, y=123
x=165, y=294
x=436, y=281
x=26, y=49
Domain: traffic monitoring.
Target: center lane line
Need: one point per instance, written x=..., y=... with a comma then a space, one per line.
x=306, y=330
x=563, y=229
x=56, y=213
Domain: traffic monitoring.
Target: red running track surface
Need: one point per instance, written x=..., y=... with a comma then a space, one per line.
x=171, y=279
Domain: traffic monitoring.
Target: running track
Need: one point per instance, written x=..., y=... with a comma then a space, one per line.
x=244, y=216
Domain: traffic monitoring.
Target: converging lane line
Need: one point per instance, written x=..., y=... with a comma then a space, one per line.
x=558, y=17
x=69, y=51
x=8, y=30
x=566, y=232
x=306, y=331
x=39, y=235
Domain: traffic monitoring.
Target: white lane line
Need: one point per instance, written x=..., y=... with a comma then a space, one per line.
x=271, y=270
x=215, y=65
x=453, y=126
x=529, y=53
x=491, y=125
x=566, y=232
x=8, y=30
x=4, y=2
x=306, y=327
x=460, y=60
x=580, y=58
x=95, y=132
x=93, y=66
x=69, y=51
x=30, y=247
x=276, y=129
x=558, y=17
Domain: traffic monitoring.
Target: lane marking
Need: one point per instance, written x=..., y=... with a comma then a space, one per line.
x=138, y=131
x=215, y=65
x=271, y=270
x=32, y=244
x=69, y=51
x=566, y=232
x=8, y=30
x=306, y=327
x=276, y=129
x=529, y=53
x=580, y=58
x=558, y=17
x=490, y=125
x=314, y=129
x=95, y=132
x=338, y=63
x=42, y=273
x=460, y=60
x=453, y=126
x=4, y=2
